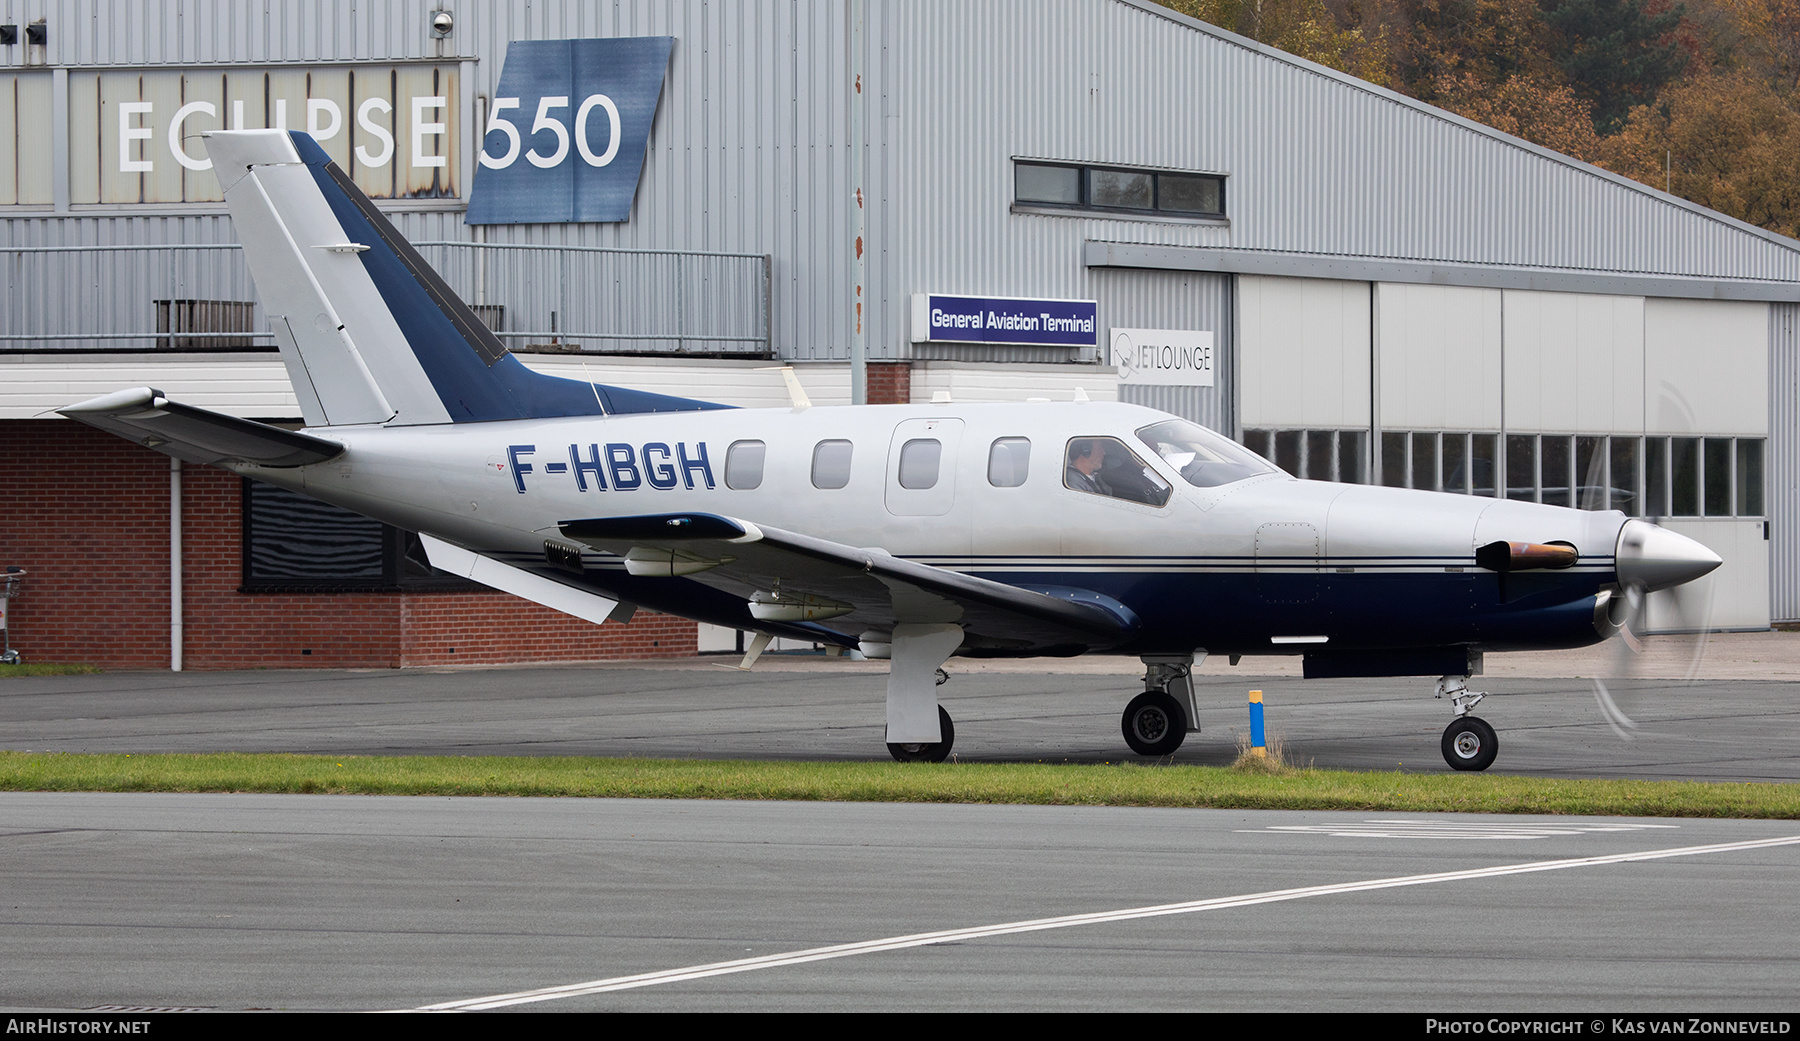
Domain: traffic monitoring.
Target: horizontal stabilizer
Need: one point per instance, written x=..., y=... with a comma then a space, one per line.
x=489, y=572
x=196, y=435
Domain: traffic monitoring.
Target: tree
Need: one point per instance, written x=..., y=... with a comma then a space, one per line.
x=1306, y=28
x=1725, y=142
x=1524, y=106
x=1614, y=53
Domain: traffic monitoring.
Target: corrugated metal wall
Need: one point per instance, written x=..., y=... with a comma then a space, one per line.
x=1159, y=300
x=747, y=156
x=1315, y=164
x=1784, y=462
x=750, y=154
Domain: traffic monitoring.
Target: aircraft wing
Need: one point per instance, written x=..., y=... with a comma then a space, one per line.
x=197, y=435
x=789, y=577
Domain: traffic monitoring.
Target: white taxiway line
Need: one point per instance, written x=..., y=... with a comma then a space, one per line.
x=845, y=950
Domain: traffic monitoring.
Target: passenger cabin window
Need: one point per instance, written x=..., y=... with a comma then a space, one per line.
x=1009, y=461
x=744, y=465
x=1104, y=466
x=919, y=462
x=831, y=464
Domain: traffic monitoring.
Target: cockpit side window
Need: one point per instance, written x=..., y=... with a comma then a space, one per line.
x=1104, y=466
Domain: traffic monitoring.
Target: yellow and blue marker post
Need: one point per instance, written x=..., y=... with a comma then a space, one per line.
x=1257, y=747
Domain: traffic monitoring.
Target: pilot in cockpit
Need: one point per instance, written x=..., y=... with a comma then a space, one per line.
x=1086, y=456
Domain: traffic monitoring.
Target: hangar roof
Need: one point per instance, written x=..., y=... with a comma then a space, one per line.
x=1338, y=177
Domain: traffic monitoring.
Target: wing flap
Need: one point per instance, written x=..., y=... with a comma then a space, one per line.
x=880, y=589
x=197, y=435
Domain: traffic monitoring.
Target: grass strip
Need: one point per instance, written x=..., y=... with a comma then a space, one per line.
x=28, y=668
x=1122, y=784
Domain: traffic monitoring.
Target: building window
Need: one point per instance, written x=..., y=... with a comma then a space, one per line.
x=205, y=325
x=1118, y=190
x=1638, y=476
x=1314, y=455
x=294, y=543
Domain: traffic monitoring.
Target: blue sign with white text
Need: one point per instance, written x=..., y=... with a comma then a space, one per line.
x=567, y=130
x=938, y=318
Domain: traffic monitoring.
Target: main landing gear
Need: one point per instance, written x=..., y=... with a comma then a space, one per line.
x=1157, y=721
x=918, y=728
x=927, y=752
x=1469, y=743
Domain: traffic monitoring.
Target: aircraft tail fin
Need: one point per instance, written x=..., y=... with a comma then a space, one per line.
x=369, y=332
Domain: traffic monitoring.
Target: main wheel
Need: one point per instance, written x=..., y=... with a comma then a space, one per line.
x=1470, y=744
x=1154, y=723
x=935, y=752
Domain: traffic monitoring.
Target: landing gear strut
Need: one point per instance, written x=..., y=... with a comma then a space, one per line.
x=918, y=728
x=1469, y=743
x=1157, y=721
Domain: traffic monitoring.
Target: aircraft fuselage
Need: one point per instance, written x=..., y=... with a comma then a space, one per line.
x=1263, y=565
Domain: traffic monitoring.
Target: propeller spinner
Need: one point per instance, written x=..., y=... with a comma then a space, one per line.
x=1651, y=558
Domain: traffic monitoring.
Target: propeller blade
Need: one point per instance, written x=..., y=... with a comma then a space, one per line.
x=1615, y=717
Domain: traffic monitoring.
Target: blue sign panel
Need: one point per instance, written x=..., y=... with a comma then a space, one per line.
x=567, y=130
x=937, y=318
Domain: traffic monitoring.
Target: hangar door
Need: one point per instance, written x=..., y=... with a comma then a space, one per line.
x=1303, y=353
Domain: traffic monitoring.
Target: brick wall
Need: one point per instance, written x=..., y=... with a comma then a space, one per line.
x=890, y=383
x=87, y=515
x=227, y=629
x=465, y=628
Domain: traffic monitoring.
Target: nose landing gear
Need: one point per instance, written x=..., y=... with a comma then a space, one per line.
x=1469, y=742
x=1157, y=721
x=1154, y=724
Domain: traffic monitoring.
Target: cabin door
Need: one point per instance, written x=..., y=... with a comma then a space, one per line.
x=921, y=467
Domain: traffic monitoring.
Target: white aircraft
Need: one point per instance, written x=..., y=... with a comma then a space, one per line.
x=905, y=531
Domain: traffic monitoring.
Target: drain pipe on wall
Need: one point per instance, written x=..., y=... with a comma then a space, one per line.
x=175, y=633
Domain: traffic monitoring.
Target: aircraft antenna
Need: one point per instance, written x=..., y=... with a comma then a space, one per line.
x=593, y=386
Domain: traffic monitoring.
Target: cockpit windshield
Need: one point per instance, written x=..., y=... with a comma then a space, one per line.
x=1204, y=459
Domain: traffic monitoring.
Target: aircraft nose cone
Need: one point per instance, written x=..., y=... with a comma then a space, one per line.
x=1653, y=558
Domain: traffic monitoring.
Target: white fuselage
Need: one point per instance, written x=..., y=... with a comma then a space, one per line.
x=502, y=488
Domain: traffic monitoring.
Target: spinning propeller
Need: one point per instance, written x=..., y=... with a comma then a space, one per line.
x=1651, y=559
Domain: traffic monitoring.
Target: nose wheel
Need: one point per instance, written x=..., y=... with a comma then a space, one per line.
x=1470, y=744
x=1154, y=724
